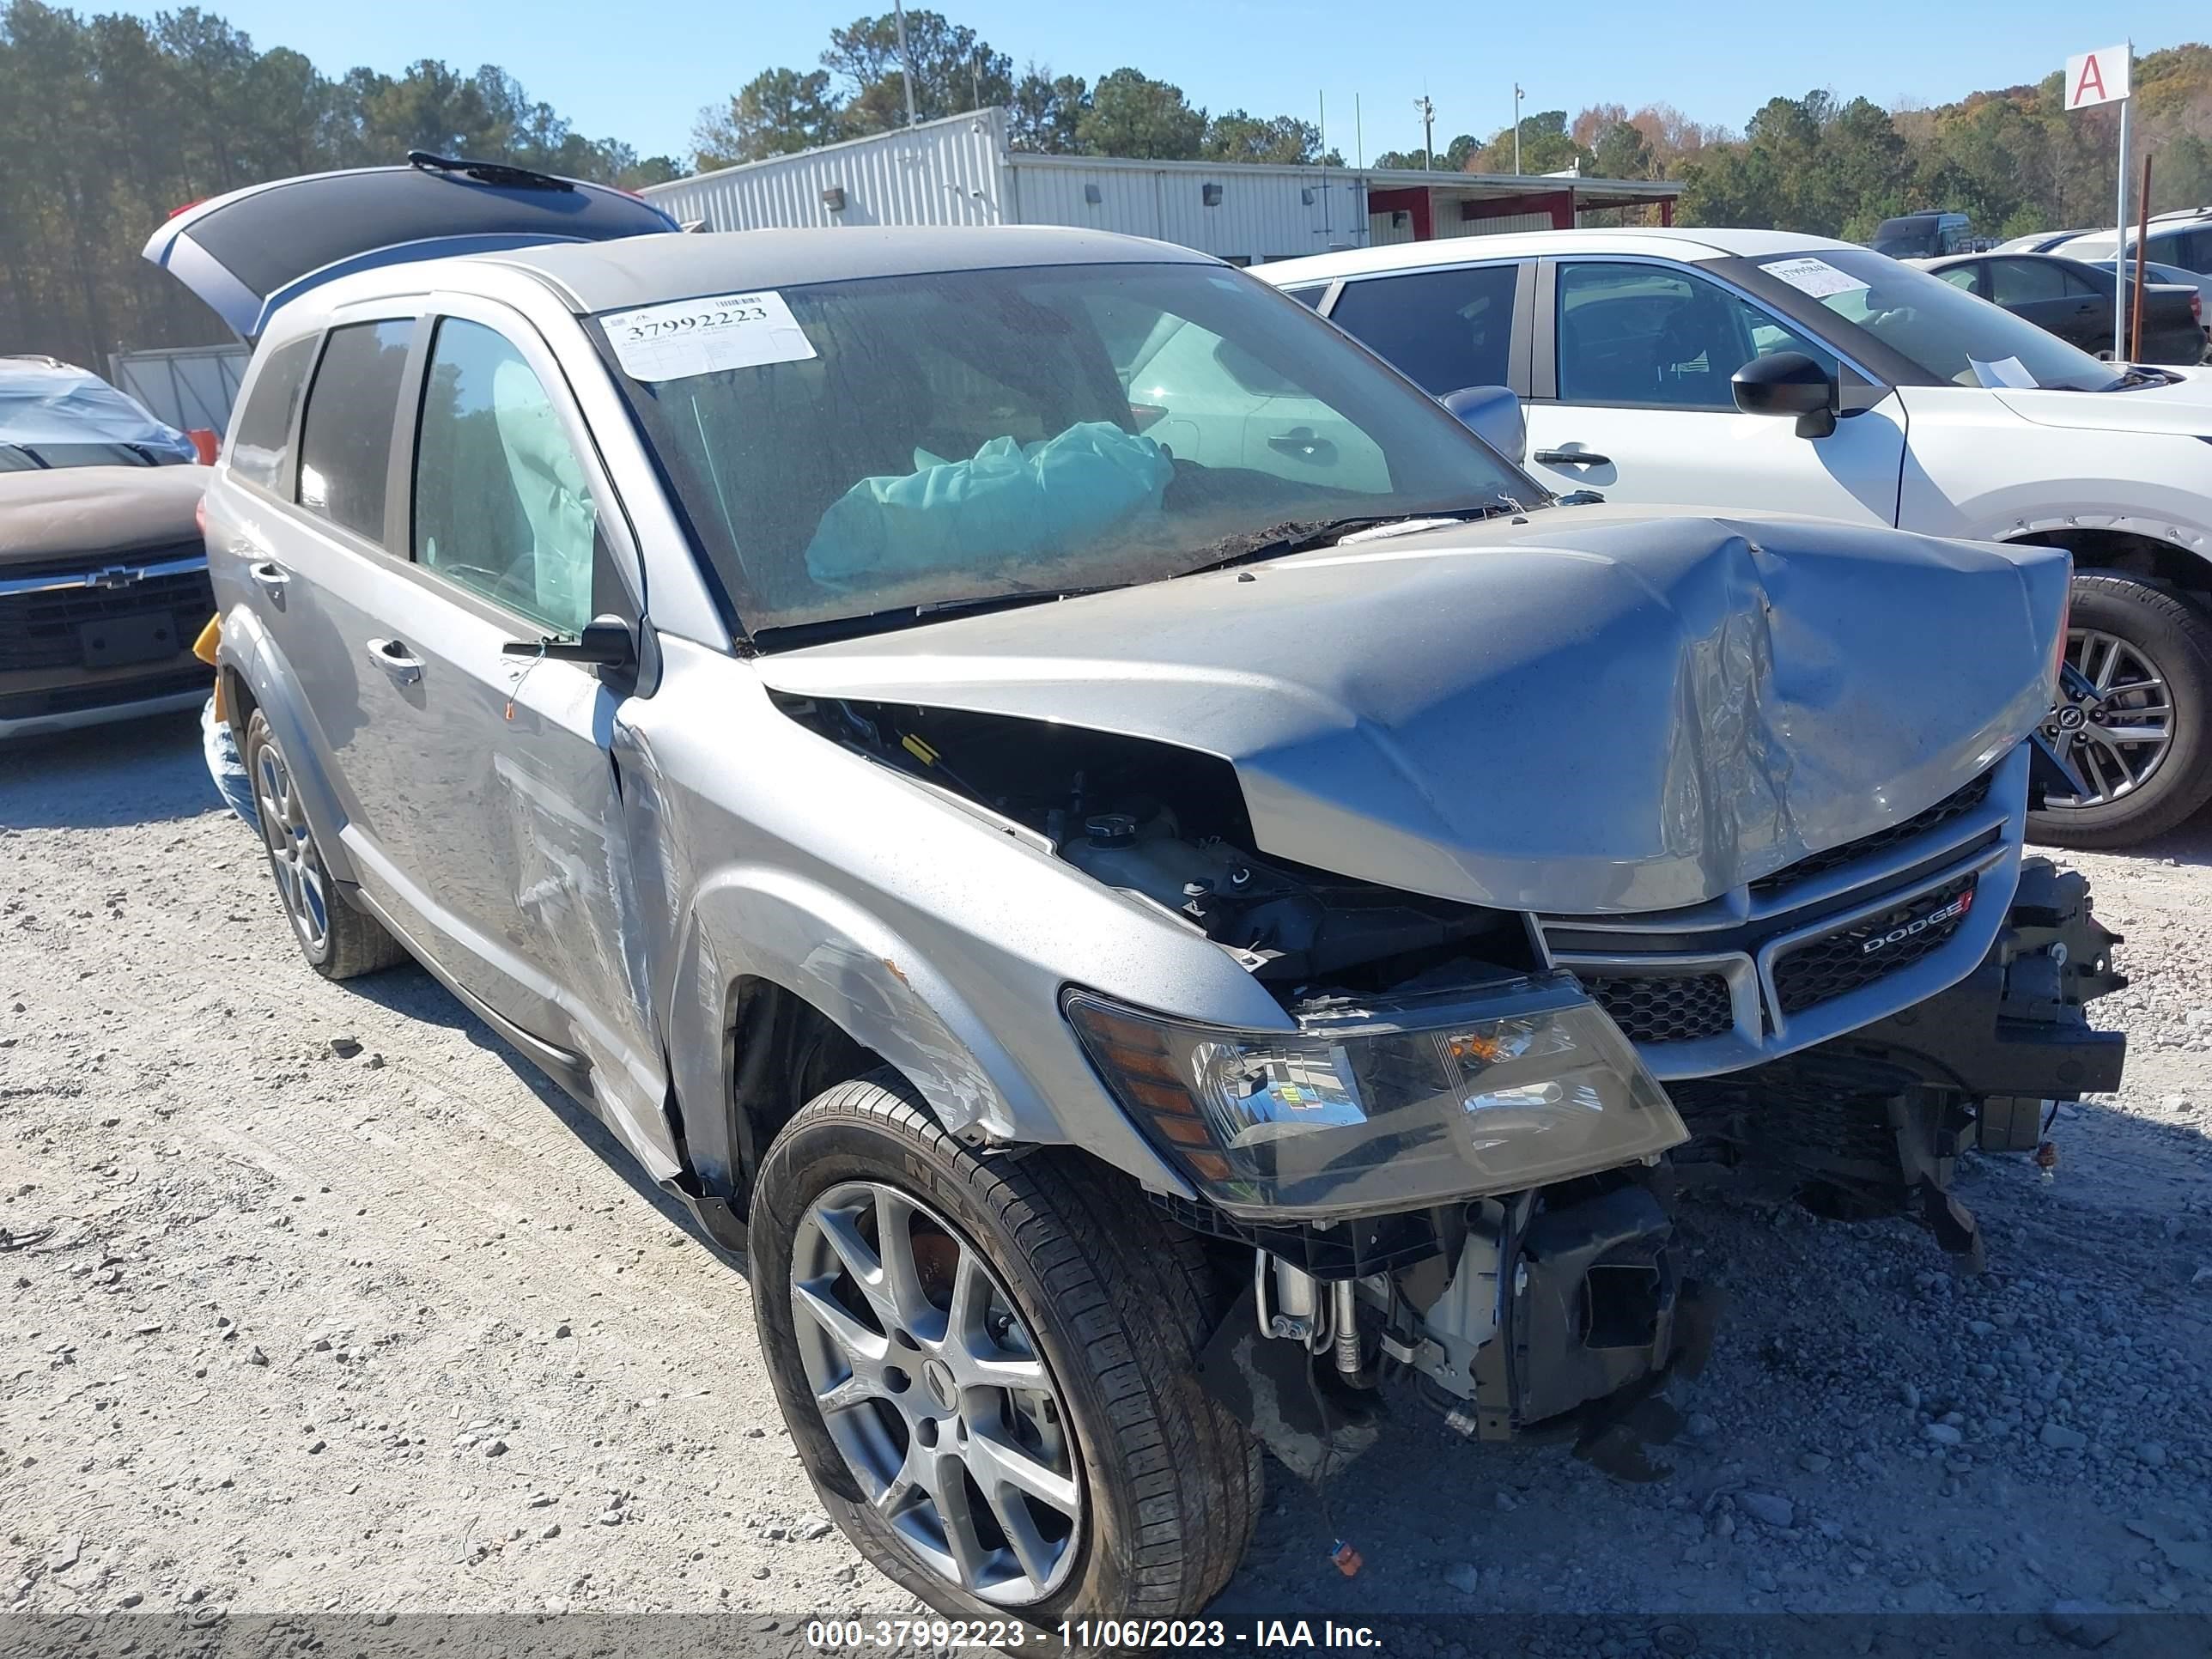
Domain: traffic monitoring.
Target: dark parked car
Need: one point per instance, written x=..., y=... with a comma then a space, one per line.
x=103, y=575
x=2073, y=300
x=1923, y=235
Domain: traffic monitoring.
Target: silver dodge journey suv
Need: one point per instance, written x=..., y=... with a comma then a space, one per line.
x=1159, y=888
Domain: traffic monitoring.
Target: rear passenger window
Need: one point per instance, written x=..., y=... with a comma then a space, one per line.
x=262, y=432
x=501, y=506
x=345, y=433
x=2023, y=282
x=1446, y=328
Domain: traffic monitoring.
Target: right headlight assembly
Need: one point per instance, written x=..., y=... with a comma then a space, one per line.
x=1380, y=1106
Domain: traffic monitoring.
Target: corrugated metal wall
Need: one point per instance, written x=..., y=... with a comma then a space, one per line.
x=1450, y=224
x=941, y=173
x=1386, y=228
x=1263, y=213
x=959, y=172
x=188, y=386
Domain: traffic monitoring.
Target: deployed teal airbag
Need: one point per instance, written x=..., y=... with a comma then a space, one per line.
x=1051, y=496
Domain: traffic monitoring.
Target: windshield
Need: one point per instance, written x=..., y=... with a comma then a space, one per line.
x=1944, y=330
x=928, y=439
x=1906, y=239
x=53, y=415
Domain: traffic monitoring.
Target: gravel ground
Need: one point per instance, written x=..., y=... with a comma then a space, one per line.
x=322, y=1298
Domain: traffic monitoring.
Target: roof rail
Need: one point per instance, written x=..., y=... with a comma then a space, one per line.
x=2181, y=213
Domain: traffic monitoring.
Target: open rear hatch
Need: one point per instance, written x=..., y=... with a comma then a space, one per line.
x=250, y=251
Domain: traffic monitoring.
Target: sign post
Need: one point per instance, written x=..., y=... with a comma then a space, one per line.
x=2101, y=77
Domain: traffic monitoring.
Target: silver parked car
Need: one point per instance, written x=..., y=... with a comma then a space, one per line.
x=1150, y=877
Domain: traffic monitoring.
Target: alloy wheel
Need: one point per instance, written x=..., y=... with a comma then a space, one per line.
x=292, y=855
x=2113, y=722
x=932, y=1388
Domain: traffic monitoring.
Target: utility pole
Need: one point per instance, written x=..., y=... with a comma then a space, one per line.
x=1517, y=126
x=906, y=62
x=2120, y=247
x=1428, y=129
x=1358, y=135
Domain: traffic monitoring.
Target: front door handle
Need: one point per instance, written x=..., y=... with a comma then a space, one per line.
x=391, y=657
x=270, y=574
x=1571, y=458
x=1301, y=441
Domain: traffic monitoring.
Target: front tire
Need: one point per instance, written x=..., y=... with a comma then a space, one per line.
x=338, y=941
x=986, y=1366
x=2143, y=742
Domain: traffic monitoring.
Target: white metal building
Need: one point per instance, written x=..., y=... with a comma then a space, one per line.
x=961, y=171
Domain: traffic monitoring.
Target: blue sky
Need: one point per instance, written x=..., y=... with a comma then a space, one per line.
x=641, y=72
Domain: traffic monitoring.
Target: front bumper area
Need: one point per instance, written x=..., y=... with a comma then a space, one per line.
x=1565, y=1307
x=1872, y=1123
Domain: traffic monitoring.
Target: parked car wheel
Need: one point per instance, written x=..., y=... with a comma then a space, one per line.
x=986, y=1366
x=2139, y=740
x=338, y=941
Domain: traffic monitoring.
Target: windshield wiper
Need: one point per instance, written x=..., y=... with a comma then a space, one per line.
x=793, y=635
x=504, y=174
x=999, y=601
x=1300, y=535
x=37, y=460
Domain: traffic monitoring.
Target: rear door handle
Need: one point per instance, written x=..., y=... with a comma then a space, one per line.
x=391, y=657
x=270, y=574
x=1571, y=458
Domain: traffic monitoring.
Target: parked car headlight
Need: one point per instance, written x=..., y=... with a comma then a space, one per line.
x=1370, y=1107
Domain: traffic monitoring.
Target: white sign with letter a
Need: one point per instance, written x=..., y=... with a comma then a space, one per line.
x=2097, y=77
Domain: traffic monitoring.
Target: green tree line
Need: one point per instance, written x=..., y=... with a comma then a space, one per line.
x=860, y=87
x=110, y=122
x=2014, y=159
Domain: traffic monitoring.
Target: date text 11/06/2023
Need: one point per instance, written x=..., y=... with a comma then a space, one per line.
x=1259, y=1634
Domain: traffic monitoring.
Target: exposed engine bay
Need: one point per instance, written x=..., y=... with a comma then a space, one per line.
x=1560, y=1309
x=1168, y=826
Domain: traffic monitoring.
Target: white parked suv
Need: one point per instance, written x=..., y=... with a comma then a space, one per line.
x=1651, y=364
x=2182, y=238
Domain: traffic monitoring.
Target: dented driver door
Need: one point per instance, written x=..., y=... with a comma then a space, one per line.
x=514, y=859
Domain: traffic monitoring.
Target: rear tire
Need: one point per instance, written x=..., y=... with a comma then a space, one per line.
x=1113, y=1301
x=2143, y=789
x=338, y=941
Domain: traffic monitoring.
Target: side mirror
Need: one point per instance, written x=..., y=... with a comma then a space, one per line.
x=1492, y=413
x=606, y=642
x=1790, y=383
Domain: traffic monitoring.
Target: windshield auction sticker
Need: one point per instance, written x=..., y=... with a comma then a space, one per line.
x=702, y=336
x=1814, y=276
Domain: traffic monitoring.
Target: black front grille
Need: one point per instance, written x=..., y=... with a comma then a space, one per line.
x=1956, y=805
x=42, y=629
x=75, y=698
x=1828, y=967
x=1664, y=1007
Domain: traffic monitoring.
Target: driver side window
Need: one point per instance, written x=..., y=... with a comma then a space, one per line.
x=502, y=506
x=1652, y=337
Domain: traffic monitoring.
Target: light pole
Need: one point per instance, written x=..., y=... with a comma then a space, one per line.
x=906, y=63
x=1517, y=127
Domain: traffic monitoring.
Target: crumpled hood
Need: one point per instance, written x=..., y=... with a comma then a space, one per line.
x=1599, y=709
x=2183, y=407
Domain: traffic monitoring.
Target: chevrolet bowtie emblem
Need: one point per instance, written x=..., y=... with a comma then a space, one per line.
x=114, y=575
